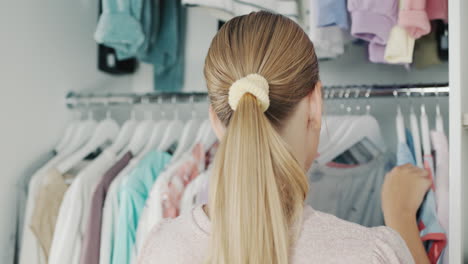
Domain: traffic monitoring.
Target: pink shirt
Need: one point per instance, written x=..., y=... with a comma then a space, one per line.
x=323, y=239
x=413, y=17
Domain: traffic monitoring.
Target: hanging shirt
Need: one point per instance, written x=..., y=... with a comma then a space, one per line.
x=332, y=13
x=426, y=52
x=432, y=234
x=167, y=53
x=440, y=144
x=158, y=206
x=47, y=207
x=92, y=236
x=119, y=27
x=413, y=18
x=183, y=175
x=372, y=21
x=232, y=8
x=352, y=193
x=74, y=210
x=400, y=45
x=109, y=218
x=11, y=243
x=329, y=42
x=437, y=9
x=30, y=250
x=133, y=192
x=196, y=192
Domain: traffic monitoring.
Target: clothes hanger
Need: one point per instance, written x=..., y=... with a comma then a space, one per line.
x=106, y=131
x=373, y=150
x=209, y=137
x=189, y=133
x=439, y=118
x=204, y=128
x=333, y=127
x=399, y=122
x=354, y=134
x=363, y=151
x=125, y=134
x=84, y=131
x=425, y=132
x=344, y=132
x=142, y=134
x=156, y=135
x=69, y=132
x=173, y=131
x=415, y=133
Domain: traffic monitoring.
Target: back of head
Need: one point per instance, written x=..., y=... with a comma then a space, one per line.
x=257, y=188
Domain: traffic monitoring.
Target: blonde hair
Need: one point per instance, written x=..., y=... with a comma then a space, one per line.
x=257, y=188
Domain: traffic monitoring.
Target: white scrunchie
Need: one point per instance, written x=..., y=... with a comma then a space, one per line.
x=254, y=84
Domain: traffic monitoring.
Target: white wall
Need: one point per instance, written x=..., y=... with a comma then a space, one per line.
x=458, y=135
x=46, y=50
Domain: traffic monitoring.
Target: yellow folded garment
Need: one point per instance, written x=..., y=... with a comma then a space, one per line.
x=400, y=46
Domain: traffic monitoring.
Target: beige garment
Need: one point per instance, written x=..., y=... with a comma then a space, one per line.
x=323, y=239
x=48, y=201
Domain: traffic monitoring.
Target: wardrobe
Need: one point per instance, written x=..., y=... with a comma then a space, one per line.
x=49, y=69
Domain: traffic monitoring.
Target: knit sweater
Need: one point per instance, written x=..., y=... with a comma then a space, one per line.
x=323, y=239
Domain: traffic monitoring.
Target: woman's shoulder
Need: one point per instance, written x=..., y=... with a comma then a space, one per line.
x=328, y=237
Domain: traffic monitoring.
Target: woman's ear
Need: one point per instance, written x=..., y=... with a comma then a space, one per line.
x=316, y=106
x=216, y=124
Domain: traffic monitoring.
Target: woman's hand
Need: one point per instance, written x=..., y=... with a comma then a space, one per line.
x=403, y=190
x=402, y=193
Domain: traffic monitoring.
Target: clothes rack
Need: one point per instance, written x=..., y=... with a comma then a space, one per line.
x=75, y=100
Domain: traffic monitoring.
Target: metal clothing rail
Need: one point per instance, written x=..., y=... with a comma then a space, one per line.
x=75, y=100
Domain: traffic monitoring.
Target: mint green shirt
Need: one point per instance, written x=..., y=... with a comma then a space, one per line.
x=133, y=192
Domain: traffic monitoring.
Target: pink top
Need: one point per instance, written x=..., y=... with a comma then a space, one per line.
x=437, y=9
x=413, y=17
x=324, y=239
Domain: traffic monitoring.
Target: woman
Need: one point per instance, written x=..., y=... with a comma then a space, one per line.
x=266, y=106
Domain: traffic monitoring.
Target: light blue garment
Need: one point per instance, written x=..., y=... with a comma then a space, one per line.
x=404, y=155
x=167, y=54
x=410, y=142
x=431, y=232
x=332, y=13
x=119, y=27
x=133, y=192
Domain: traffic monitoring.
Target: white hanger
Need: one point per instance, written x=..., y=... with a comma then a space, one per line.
x=426, y=138
x=125, y=134
x=68, y=135
x=141, y=135
x=416, y=135
x=173, y=131
x=400, y=122
x=154, y=139
x=400, y=126
x=84, y=131
x=332, y=129
x=189, y=134
x=204, y=128
x=343, y=139
x=439, y=118
x=107, y=130
x=209, y=138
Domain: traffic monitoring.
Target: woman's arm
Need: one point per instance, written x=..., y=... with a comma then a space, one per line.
x=402, y=194
x=407, y=227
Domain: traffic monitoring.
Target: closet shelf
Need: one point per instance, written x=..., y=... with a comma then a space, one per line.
x=75, y=100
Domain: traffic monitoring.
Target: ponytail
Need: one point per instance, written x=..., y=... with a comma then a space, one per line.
x=258, y=69
x=257, y=191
